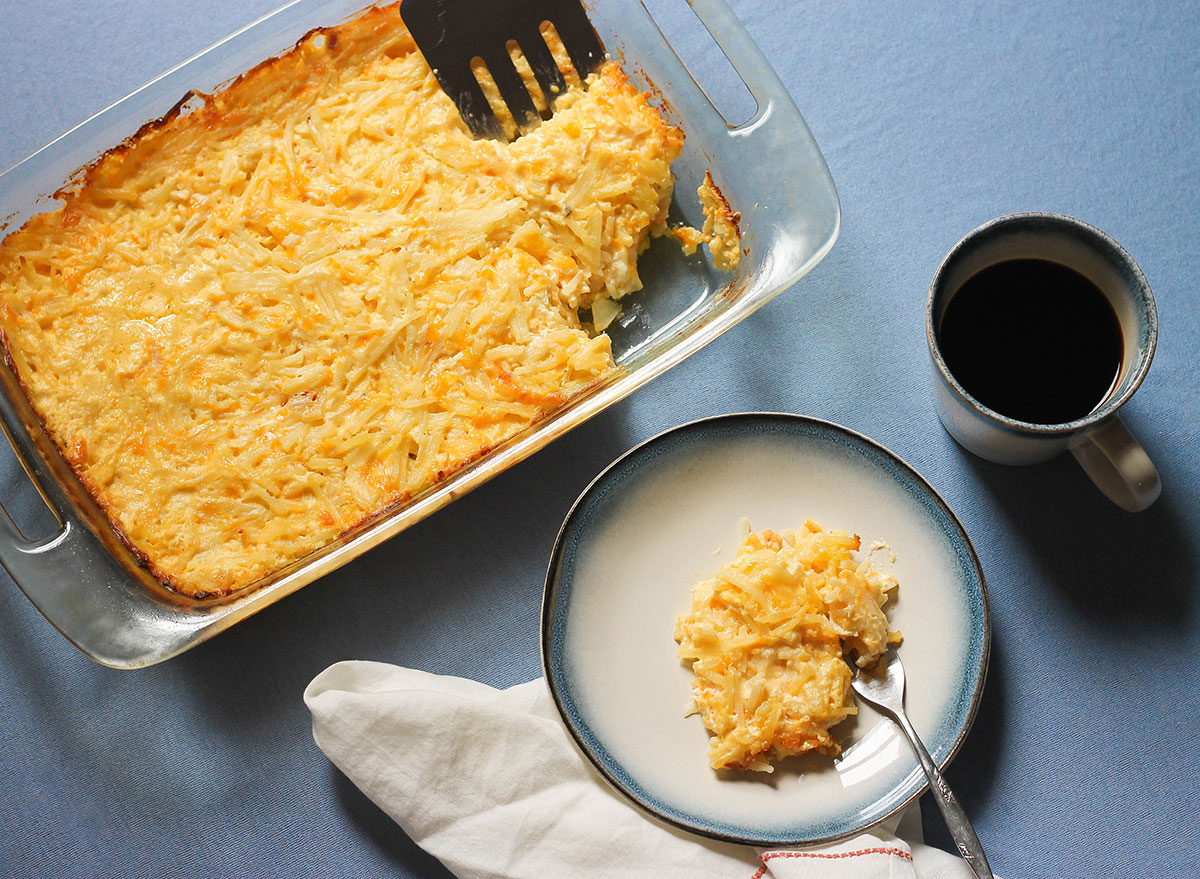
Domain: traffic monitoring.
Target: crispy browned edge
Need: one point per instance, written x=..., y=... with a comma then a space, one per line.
x=727, y=212
x=85, y=177
x=166, y=580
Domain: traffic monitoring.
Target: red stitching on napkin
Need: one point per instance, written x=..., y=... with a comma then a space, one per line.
x=898, y=852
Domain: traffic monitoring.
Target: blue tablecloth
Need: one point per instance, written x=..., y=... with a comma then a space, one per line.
x=933, y=118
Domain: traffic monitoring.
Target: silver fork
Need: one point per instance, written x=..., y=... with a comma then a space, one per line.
x=883, y=687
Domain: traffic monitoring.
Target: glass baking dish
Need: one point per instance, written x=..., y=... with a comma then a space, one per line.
x=88, y=583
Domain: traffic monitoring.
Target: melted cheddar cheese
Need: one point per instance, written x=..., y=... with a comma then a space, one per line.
x=766, y=639
x=266, y=318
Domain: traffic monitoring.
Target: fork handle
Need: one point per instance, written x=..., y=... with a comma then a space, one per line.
x=956, y=819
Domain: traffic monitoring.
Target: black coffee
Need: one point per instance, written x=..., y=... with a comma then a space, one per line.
x=1033, y=340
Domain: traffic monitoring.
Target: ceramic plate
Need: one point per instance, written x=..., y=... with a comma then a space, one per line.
x=665, y=516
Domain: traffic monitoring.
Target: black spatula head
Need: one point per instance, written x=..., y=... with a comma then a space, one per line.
x=450, y=33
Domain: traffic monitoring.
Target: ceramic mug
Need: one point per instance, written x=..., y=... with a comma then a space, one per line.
x=1100, y=442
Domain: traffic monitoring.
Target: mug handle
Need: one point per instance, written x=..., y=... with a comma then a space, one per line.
x=1119, y=466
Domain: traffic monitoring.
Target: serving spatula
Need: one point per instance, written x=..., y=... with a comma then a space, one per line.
x=452, y=33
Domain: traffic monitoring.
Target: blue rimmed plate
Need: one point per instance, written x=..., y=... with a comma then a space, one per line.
x=665, y=516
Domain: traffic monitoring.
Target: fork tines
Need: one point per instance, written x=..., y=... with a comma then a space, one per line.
x=458, y=37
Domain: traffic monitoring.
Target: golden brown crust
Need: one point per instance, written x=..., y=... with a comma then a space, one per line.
x=722, y=225
x=728, y=214
x=125, y=239
x=313, y=50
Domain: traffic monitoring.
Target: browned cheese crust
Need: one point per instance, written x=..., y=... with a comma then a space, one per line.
x=262, y=321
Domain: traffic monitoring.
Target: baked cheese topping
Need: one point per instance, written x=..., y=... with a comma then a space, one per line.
x=721, y=232
x=258, y=323
x=767, y=636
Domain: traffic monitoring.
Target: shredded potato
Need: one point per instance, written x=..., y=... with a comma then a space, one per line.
x=766, y=639
x=291, y=305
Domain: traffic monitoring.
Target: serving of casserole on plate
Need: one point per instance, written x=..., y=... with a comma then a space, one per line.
x=638, y=555
x=283, y=322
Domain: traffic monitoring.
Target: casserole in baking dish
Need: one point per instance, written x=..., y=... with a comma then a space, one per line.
x=93, y=586
x=252, y=326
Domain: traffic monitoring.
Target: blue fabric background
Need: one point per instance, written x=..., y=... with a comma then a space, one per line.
x=933, y=118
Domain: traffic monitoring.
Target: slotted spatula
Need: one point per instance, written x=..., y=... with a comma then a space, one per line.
x=451, y=33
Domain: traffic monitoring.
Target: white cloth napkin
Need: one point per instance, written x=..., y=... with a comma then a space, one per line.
x=490, y=783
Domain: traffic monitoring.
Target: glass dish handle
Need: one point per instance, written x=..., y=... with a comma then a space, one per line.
x=41, y=568
x=774, y=145
x=12, y=540
x=746, y=57
x=36, y=565
x=50, y=570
